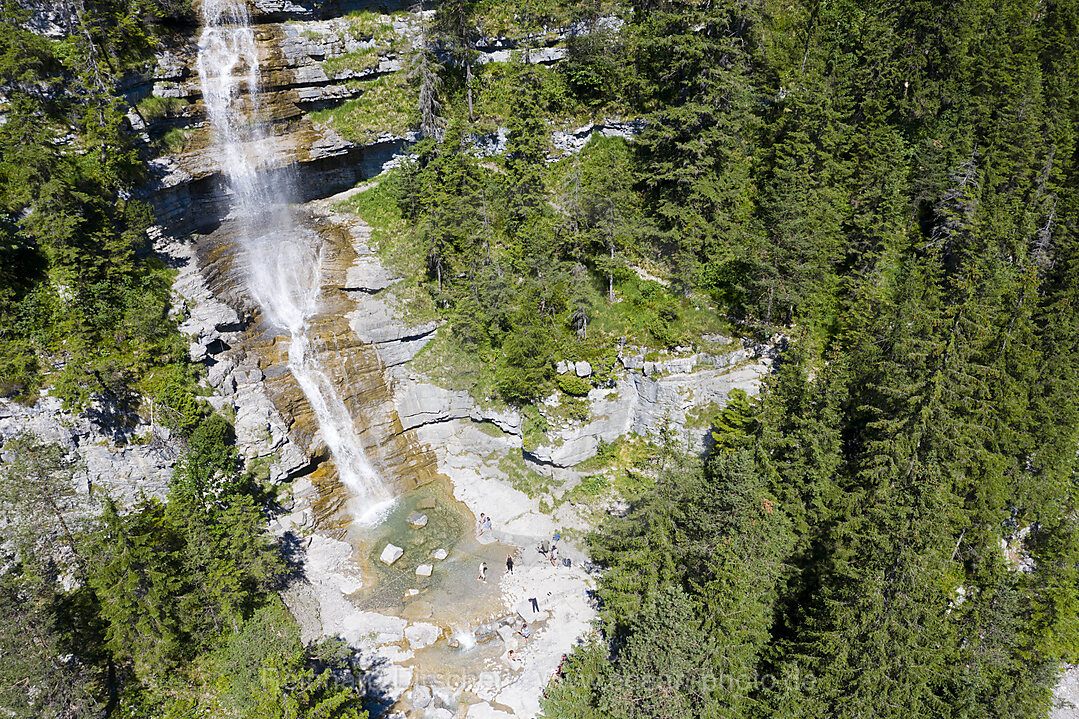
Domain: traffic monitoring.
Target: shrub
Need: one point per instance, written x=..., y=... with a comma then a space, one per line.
x=573, y=385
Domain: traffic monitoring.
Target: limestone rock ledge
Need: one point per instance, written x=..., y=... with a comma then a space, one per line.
x=216, y=331
x=121, y=463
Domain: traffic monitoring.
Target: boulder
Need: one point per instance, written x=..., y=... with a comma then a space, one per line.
x=424, y=570
x=388, y=681
x=422, y=634
x=484, y=633
x=421, y=696
x=572, y=451
x=583, y=369
x=506, y=633
x=276, y=370
x=439, y=554
x=248, y=375
x=524, y=611
x=563, y=366
x=417, y=519
x=391, y=554
x=290, y=459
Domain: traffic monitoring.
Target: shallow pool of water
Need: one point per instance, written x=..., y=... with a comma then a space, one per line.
x=452, y=596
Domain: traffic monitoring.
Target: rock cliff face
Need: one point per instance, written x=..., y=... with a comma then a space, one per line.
x=312, y=56
x=122, y=463
x=248, y=362
x=186, y=188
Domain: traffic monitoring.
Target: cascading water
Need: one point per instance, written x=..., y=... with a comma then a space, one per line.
x=282, y=257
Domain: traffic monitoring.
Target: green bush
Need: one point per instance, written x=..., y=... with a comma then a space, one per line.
x=573, y=385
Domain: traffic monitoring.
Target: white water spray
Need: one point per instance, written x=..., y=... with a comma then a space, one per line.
x=284, y=264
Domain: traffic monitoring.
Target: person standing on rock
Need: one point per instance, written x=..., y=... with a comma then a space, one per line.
x=483, y=572
x=481, y=522
x=509, y=563
x=554, y=555
x=487, y=524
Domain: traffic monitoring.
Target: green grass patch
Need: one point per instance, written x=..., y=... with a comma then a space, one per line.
x=522, y=477
x=591, y=488
x=370, y=25
x=448, y=363
x=703, y=416
x=377, y=206
x=490, y=429
x=359, y=61
x=175, y=140
x=540, y=20
x=574, y=409
x=650, y=315
x=630, y=451
x=155, y=108
x=606, y=455
x=534, y=427
x=388, y=105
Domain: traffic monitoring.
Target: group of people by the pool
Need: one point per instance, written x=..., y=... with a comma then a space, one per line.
x=483, y=524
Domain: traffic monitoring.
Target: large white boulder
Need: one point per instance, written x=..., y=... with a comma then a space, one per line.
x=387, y=680
x=422, y=634
x=391, y=553
x=421, y=696
x=524, y=611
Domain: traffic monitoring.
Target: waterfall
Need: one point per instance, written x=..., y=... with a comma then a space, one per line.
x=282, y=257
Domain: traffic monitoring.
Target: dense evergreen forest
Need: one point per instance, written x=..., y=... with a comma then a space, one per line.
x=888, y=190
x=891, y=529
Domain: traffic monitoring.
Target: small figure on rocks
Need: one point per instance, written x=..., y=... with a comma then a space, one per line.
x=554, y=555
x=486, y=525
x=509, y=564
x=525, y=631
x=483, y=572
x=481, y=521
x=535, y=604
